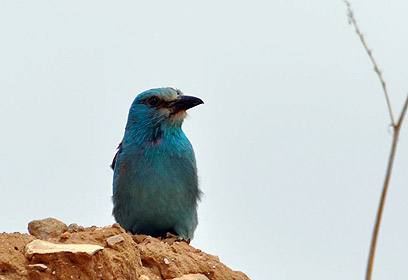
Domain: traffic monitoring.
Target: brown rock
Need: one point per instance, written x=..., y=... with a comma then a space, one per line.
x=64, y=235
x=75, y=228
x=182, y=259
x=114, y=240
x=46, y=228
x=140, y=259
x=12, y=260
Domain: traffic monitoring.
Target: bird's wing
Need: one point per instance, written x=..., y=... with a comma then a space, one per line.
x=116, y=155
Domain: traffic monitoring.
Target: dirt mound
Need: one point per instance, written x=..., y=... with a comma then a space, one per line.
x=55, y=251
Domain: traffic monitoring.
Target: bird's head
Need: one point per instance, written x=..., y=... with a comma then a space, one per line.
x=160, y=107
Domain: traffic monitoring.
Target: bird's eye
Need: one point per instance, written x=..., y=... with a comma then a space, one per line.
x=153, y=101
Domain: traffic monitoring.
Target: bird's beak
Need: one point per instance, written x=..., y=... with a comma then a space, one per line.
x=183, y=103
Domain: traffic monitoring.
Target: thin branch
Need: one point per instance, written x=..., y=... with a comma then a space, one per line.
x=397, y=127
x=377, y=70
x=373, y=246
x=403, y=112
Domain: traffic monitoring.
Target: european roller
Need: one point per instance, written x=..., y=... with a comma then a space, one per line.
x=155, y=186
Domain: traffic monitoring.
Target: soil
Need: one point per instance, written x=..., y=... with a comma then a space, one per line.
x=123, y=256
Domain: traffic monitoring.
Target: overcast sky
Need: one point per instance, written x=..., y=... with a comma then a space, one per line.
x=291, y=143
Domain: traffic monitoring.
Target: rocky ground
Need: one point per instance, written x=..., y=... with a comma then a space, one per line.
x=54, y=250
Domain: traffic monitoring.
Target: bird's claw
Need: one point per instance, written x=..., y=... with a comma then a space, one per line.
x=171, y=238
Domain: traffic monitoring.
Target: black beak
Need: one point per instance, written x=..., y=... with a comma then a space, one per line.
x=183, y=103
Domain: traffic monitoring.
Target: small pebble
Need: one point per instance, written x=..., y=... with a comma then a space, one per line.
x=114, y=240
x=38, y=266
x=73, y=228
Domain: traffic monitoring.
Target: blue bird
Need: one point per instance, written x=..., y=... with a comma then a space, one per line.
x=155, y=185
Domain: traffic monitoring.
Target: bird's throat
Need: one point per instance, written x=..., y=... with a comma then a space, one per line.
x=156, y=137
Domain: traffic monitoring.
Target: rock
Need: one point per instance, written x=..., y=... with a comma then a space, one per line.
x=139, y=238
x=192, y=277
x=69, y=256
x=13, y=264
x=183, y=259
x=64, y=235
x=46, y=228
x=114, y=240
x=75, y=228
x=43, y=247
x=38, y=266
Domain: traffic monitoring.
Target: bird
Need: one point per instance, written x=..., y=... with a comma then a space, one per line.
x=155, y=182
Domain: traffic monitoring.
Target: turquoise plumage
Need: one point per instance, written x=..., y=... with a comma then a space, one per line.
x=155, y=186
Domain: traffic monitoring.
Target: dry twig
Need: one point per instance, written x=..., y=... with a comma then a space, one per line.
x=395, y=126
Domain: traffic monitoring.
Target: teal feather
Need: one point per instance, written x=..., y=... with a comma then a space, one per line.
x=155, y=185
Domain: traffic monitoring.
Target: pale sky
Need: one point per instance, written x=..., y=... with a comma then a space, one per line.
x=291, y=143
